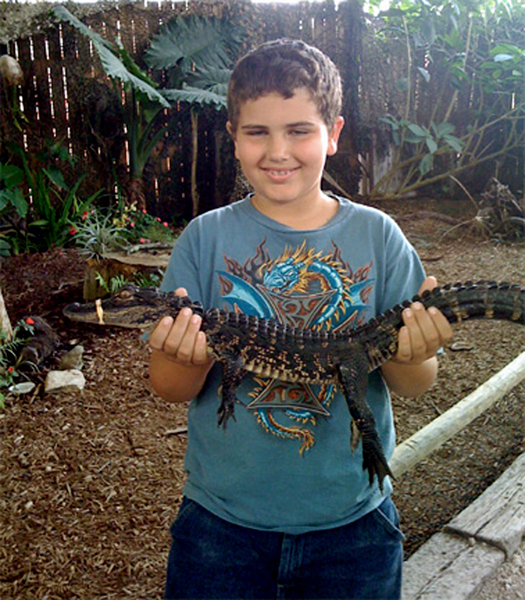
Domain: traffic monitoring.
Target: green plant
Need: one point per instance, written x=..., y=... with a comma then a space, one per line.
x=9, y=356
x=97, y=234
x=13, y=205
x=143, y=101
x=49, y=218
x=142, y=228
x=113, y=285
x=11, y=196
x=148, y=279
x=461, y=99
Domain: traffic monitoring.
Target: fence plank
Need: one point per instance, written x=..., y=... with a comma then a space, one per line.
x=439, y=431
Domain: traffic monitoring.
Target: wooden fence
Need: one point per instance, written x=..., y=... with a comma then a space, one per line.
x=67, y=97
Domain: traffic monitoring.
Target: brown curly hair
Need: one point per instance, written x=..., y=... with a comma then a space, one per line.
x=282, y=66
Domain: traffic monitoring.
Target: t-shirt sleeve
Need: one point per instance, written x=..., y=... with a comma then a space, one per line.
x=404, y=272
x=183, y=270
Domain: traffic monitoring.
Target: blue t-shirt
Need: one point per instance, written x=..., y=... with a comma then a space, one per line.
x=285, y=464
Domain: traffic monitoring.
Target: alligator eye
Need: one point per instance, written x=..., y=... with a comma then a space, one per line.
x=125, y=295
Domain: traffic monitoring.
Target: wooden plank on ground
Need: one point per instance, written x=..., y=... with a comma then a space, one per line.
x=449, y=567
x=497, y=517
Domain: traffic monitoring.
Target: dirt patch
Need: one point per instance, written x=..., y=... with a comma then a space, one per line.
x=90, y=483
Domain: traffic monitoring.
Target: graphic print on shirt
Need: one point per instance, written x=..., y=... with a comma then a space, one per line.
x=301, y=288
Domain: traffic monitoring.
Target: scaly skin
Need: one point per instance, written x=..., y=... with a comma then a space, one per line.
x=270, y=349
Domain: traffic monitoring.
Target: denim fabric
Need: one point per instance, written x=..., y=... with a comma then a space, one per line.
x=211, y=558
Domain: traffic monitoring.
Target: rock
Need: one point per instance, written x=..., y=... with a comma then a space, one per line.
x=73, y=359
x=71, y=380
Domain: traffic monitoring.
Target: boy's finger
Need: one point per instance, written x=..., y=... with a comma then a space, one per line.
x=200, y=352
x=428, y=337
x=442, y=325
x=160, y=333
x=404, y=351
x=187, y=343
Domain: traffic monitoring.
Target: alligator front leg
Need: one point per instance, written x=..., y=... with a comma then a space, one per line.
x=232, y=374
x=353, y=379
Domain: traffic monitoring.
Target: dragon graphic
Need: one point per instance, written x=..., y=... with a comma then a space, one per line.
x=306, y=289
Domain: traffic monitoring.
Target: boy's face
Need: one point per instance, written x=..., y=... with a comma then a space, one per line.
x=282, y=145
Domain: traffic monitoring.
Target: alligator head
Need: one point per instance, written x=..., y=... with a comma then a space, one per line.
x=131, y=306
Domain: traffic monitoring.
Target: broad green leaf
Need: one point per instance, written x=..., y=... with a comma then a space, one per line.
x=503, y=57
x=56, y=177
x=418, y=130
x=64, y=15
x=392, y=121
x=11, y=175
x=443, y=129
x=196, y=96
x=402, y=84
x=431, y=144
x=20, y=203
x=454, y=142
x=213, y=80
x=109, y=55
x=426, y=164
x=428, y=31
x=193, y=42
x=424, y=73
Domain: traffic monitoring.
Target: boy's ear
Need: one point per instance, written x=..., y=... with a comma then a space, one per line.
x=230, y=130
x=333, y=136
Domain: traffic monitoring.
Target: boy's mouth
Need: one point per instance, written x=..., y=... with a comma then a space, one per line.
x=280, y=173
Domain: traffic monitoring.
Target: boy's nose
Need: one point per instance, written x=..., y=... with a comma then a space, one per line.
x=277, y=148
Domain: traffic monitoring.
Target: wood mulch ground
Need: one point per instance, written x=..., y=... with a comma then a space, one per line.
x=90, y=483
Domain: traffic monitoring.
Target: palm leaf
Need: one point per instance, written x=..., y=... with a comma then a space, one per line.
x=113, y=58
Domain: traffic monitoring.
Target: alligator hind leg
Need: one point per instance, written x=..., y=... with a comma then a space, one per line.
x=232, y=374
x=353, y=379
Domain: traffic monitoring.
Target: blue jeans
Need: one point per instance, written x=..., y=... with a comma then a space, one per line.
x=212, y=558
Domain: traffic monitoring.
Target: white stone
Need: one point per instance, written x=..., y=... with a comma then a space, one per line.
x=71, y=380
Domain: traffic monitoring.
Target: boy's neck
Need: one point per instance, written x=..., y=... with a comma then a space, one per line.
x=307, y=216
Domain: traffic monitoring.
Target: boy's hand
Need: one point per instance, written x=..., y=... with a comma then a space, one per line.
x=181, y=340
x=424, y=332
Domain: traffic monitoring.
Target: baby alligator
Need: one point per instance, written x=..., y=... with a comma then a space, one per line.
x=270, y=349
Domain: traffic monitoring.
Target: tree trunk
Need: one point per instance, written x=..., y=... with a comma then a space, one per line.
x=135, y=194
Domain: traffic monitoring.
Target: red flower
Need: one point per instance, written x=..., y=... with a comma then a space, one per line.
x=165, y=224
x=30, y=321
x=10, y=369
x=85, y=215
x=73, y=230
x=132, y=224
x=144, y=211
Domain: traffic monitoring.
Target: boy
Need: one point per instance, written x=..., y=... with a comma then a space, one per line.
x=277, y=506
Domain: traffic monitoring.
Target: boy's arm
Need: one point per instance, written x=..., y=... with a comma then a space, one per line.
x=414, y=368
x=179, y=362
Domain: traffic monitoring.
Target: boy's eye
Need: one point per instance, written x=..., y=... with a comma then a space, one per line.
x=255, y=132
x=299, y=132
